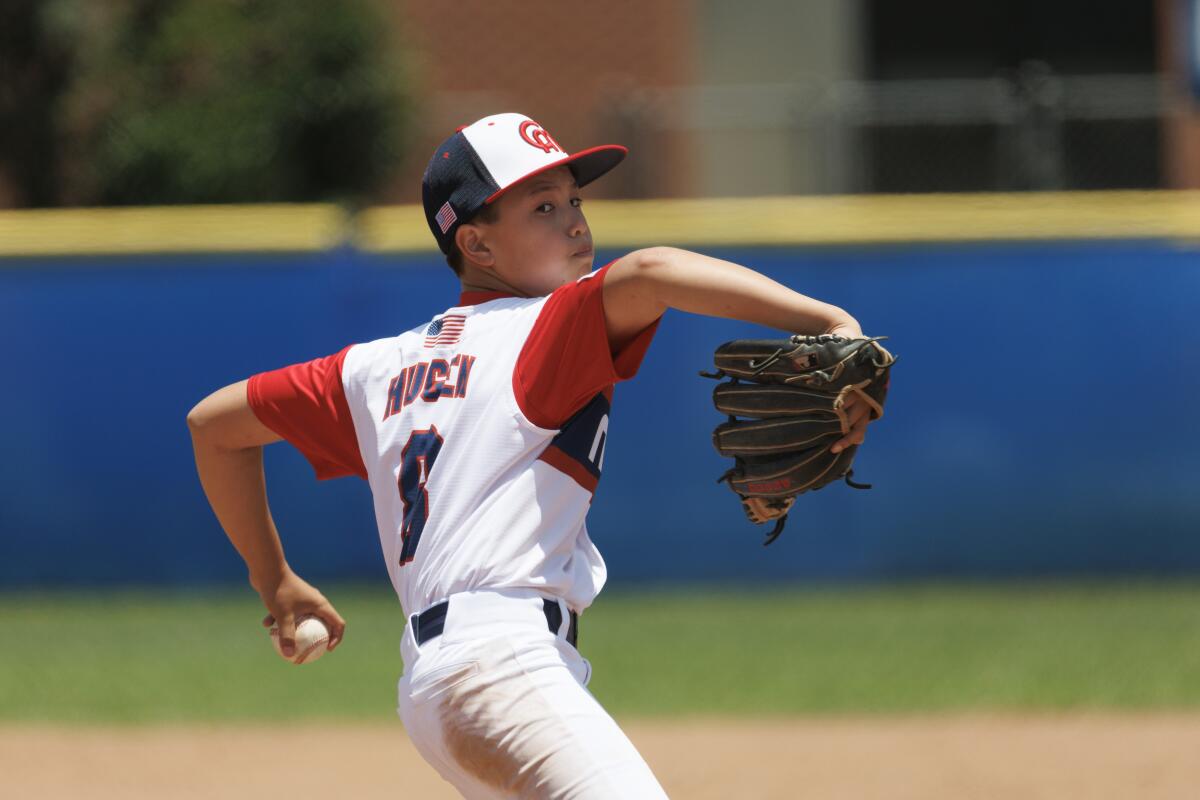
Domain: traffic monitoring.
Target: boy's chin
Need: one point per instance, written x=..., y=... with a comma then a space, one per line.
x=576, y=268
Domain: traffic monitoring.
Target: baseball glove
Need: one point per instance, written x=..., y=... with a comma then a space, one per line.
x=790, y=394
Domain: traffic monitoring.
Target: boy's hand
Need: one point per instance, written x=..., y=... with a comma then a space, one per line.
x=290, y=598
x=858, y=416
x=849, y=328
x=857, y=412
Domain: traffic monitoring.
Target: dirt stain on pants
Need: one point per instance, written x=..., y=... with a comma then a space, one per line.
x=504, y=733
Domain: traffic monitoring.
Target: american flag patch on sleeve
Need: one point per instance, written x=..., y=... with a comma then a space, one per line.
x=445, y=330
x=445, y=217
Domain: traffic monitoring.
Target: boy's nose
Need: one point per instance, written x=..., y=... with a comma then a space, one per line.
x=579, y=225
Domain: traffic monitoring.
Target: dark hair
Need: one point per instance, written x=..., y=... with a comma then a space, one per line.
x=488, y=214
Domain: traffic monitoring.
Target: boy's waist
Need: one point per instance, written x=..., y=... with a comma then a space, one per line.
x=515, y=566
x=471, y=615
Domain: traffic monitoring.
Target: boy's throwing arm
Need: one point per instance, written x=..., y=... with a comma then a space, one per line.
x=227, y=439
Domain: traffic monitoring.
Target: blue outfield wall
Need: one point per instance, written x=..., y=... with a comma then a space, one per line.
x=1041, y=421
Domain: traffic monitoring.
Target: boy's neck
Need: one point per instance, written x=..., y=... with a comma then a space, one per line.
x=471, y=295
x=475, y=280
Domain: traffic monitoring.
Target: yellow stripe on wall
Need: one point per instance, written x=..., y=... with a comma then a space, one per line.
x=852, y=219
x=170, y=229
x=862, y=219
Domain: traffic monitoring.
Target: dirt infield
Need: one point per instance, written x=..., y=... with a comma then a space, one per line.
x=963, y=757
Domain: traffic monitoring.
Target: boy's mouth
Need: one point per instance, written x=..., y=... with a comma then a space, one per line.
x=583, y=251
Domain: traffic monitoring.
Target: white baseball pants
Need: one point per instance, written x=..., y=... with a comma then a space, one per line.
x=497, y=704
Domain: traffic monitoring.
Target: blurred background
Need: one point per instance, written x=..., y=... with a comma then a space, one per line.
x=193, y=191
x=201, y=191
x=185, y=101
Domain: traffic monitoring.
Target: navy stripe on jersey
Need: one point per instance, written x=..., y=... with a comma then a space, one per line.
x=578, y=449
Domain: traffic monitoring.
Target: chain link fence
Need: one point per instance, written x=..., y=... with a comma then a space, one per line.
x=1030, y=129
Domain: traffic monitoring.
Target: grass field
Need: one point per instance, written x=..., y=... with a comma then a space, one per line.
x=131, y=657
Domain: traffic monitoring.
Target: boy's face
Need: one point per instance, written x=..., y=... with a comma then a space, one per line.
x=541, y=240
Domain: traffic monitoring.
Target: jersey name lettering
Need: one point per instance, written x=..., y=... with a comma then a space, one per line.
x=428, y=381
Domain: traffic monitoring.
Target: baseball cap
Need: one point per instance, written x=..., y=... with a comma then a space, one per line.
x=483, y=160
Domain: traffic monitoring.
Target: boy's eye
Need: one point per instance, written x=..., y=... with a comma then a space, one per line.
x=547, y=207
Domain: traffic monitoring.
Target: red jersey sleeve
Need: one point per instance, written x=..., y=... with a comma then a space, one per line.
x=567, y=360
x=306, y=405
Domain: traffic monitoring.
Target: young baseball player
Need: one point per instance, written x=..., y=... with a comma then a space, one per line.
x=482, y=433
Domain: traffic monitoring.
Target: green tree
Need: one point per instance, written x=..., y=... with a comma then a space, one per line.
x=33, y=71
x=208, y=101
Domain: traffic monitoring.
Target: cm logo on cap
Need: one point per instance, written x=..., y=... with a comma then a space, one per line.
x=537, y=136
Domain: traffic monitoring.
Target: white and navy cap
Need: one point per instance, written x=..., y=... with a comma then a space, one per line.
x=481, y=161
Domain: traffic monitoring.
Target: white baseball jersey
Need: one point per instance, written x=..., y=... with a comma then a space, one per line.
x=482, y=434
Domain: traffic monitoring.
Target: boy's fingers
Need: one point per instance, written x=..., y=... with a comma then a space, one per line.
x=336, y=632
x=857, y=435
x=336, y=625
x=287, y=634
x=858, y=420
x=858, y=416
x=842, y=444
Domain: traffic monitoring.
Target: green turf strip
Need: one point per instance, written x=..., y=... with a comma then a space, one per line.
x=144, y=657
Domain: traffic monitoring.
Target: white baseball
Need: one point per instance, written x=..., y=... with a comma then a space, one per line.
x=312, y=640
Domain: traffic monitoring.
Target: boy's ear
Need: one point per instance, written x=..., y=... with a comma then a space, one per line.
x=472, y=244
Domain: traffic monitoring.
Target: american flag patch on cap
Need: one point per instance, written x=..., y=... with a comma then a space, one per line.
x=445, y=330
x=445, y=217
